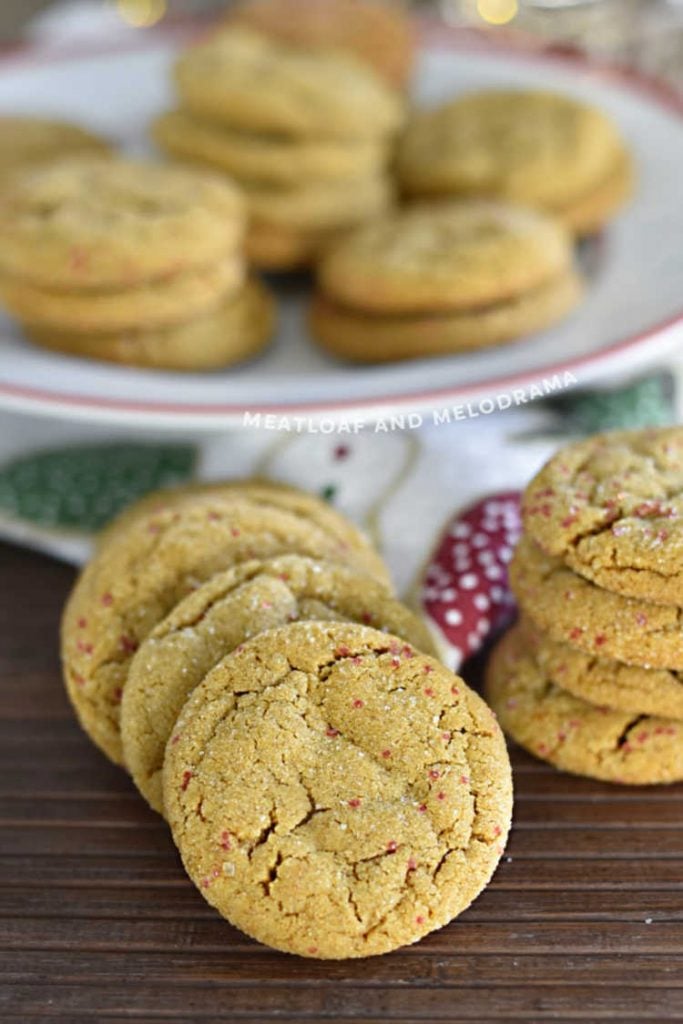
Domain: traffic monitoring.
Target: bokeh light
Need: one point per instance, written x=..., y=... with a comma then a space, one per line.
x=497, y=12
x=141, y=13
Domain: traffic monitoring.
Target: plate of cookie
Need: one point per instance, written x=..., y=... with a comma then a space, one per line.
x=183, y=248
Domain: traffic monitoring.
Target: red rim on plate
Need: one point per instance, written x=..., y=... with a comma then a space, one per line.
x=438, y=34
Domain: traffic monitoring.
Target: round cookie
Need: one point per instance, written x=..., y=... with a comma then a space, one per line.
x=573, y=735
x=270, y=159
x=376, y=338
x=225, y=612
x=571, y=609
x=612, y=508
x=96, y=224
x=248, y=81
x=381, y=34
x=28, y=141
x=334, y=793
x=162, y=303
x=537, y=148
x=353, y=545
x=280, y=247
x=320, y=206
x=607, y=683
x=142, y=571
x=239, y=328
x=589, y=214
x=445, y=257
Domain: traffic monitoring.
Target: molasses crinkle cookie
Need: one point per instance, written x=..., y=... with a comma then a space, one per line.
x=573, y=734
x=226, y=611
x=611, y=507
x=537, y=148
x=334, y=793
x=443, y=278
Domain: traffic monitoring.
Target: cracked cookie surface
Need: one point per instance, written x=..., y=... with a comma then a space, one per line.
x=570, y=733
x=609, y=683
x=612, y=508
x=143, y=568
x=334, y=793
x=226, y=611
x=572, y=610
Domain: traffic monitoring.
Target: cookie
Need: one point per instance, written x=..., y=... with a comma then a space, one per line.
x=275, y=160
x=589, y=214
x=453, y=257
x=225, y=612
x=162, y=303
x=280, y=247
x=334, y=793
x=353, y=545
x=237, y=329
x=28, y=141
x=575, y=736
x=96, y=224
x=607, y=683
x=142, y=571
x=571, y=609
x=250, y=82
x=381, y=34
x=536, y=148
x=320, y=206
x=375, y=338
x=611, y=507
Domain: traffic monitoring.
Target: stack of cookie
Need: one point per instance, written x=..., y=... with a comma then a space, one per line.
x=306, y=133
x=540, y=149
x=132, y=263
x=333, y=790
x=592, y=677
x=443, y=278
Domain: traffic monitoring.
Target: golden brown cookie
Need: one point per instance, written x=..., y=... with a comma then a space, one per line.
x=368, y=338
x=279, y=247
x=577, y=737
x=537, y=148
x=572, y=610
x=249, y=81
x=142, y=571
x=589, y=214
x=607, y=683
x=381, y=34
x=334, y=793
x=320, y=206
x=611, y=507
x=353, y=545
x=445, y=257
x=29, y=141
x=275, y=160
x=225, y=612
x=239, y=328
x=155, y=304
x=96, y=224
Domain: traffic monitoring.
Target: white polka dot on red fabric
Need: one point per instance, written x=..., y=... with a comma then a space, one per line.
x=481, y=602
x=461, y=530
x=453, y=617
x=469, y=582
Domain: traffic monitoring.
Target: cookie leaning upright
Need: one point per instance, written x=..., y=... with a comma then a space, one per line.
x=227, y=610
x=537, y=148
x=99, y=249
x=365, y=783
x=146, y=566
x=596, y=575
x=443, y=278
x=305, y=132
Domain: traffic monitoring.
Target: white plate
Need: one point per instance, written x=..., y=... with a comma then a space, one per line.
x=632, y=315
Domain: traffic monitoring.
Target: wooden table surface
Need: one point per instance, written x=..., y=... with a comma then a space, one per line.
x=583, y=920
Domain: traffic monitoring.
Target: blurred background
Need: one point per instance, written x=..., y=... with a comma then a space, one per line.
x=644, y=33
